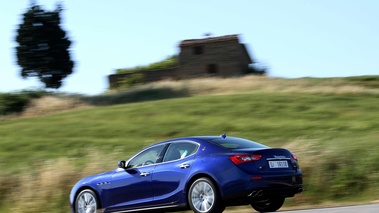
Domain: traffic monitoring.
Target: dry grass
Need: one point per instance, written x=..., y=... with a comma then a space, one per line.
x=207, y=86
x=307, y=150
x=51, y=181
x=31, y=194
x=260, y=84
x=52, y=104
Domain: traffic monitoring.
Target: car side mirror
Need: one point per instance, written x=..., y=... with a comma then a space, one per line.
x=121, y=164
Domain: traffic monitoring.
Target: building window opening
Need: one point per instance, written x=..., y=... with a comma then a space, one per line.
x=212, y=69
x=198, y=50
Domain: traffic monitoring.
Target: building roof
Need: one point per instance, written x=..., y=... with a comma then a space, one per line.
x=191, y=42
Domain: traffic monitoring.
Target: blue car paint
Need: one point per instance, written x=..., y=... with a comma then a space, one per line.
x=125, y=189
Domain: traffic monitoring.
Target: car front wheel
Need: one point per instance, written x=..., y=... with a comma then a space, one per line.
x=269, y=205
x=86, y=202
x=203, y=197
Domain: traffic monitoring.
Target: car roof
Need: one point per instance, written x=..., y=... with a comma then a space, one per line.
x=188, y=138
x=195, y=138
x=198, y=139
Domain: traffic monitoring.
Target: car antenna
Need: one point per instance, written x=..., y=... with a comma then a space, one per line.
x=223, y=135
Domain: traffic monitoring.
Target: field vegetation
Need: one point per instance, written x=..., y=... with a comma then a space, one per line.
x=332, y=125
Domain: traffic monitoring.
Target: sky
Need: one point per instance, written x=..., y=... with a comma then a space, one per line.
x=293, y=38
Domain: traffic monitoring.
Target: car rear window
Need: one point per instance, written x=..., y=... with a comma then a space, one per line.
x=237, y=143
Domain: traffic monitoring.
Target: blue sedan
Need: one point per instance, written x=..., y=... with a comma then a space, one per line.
x=202, y=173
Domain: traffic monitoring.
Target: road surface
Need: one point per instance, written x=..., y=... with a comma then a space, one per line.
x=370, y=208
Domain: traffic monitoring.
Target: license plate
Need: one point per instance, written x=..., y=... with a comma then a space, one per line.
x=278, y=164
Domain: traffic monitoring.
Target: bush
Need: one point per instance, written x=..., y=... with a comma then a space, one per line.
x=129, y=81
x=168, y=63
x=11, y=103
x=365, y=81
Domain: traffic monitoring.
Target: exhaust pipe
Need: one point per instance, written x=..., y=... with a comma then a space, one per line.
x=256, y=193
x=252, y=194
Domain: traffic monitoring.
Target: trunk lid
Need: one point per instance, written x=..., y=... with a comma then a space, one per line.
x=269, y=161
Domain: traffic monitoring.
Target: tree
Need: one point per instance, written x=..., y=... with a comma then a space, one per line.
x=43, y=49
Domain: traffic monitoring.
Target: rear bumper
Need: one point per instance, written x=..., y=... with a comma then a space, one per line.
x=275, y=192
x=266, y=187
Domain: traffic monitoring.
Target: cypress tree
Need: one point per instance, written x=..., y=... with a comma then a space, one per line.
x=43, y=47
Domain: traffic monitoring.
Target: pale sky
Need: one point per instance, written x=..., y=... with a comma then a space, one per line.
x=294, y=38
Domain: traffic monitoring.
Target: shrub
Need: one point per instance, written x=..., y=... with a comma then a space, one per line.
x=134, y=79
x=169, y=62
x=11, y=103
x=366, y=81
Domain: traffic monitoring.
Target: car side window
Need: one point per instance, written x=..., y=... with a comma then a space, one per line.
x=179, y=150
x=147, y=157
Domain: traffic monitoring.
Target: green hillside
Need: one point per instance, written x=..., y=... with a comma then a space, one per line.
x=332, y=125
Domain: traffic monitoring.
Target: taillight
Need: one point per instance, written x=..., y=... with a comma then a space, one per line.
x=239, y=159
x=294, y=157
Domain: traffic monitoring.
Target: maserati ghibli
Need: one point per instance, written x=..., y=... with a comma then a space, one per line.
x=204, y=174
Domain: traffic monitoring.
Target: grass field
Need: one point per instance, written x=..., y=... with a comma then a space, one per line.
x=331, y=124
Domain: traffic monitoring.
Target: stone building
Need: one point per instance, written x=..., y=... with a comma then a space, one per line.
x=222, y=56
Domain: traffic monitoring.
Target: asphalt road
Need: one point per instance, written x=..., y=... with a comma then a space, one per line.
x=371, y=208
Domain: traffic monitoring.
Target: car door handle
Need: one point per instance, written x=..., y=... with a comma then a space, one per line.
x=184, y=166
x=144, y=174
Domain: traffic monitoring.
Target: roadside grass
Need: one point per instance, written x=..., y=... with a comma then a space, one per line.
x=334, y=133
x=45, y=186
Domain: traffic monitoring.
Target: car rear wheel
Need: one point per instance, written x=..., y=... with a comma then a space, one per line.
x=269, y=205
x=203, y=197
x=86, y=202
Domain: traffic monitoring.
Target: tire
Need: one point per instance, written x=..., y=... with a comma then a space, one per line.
x=269, y=205
x=86, y=202
x=203, y=197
